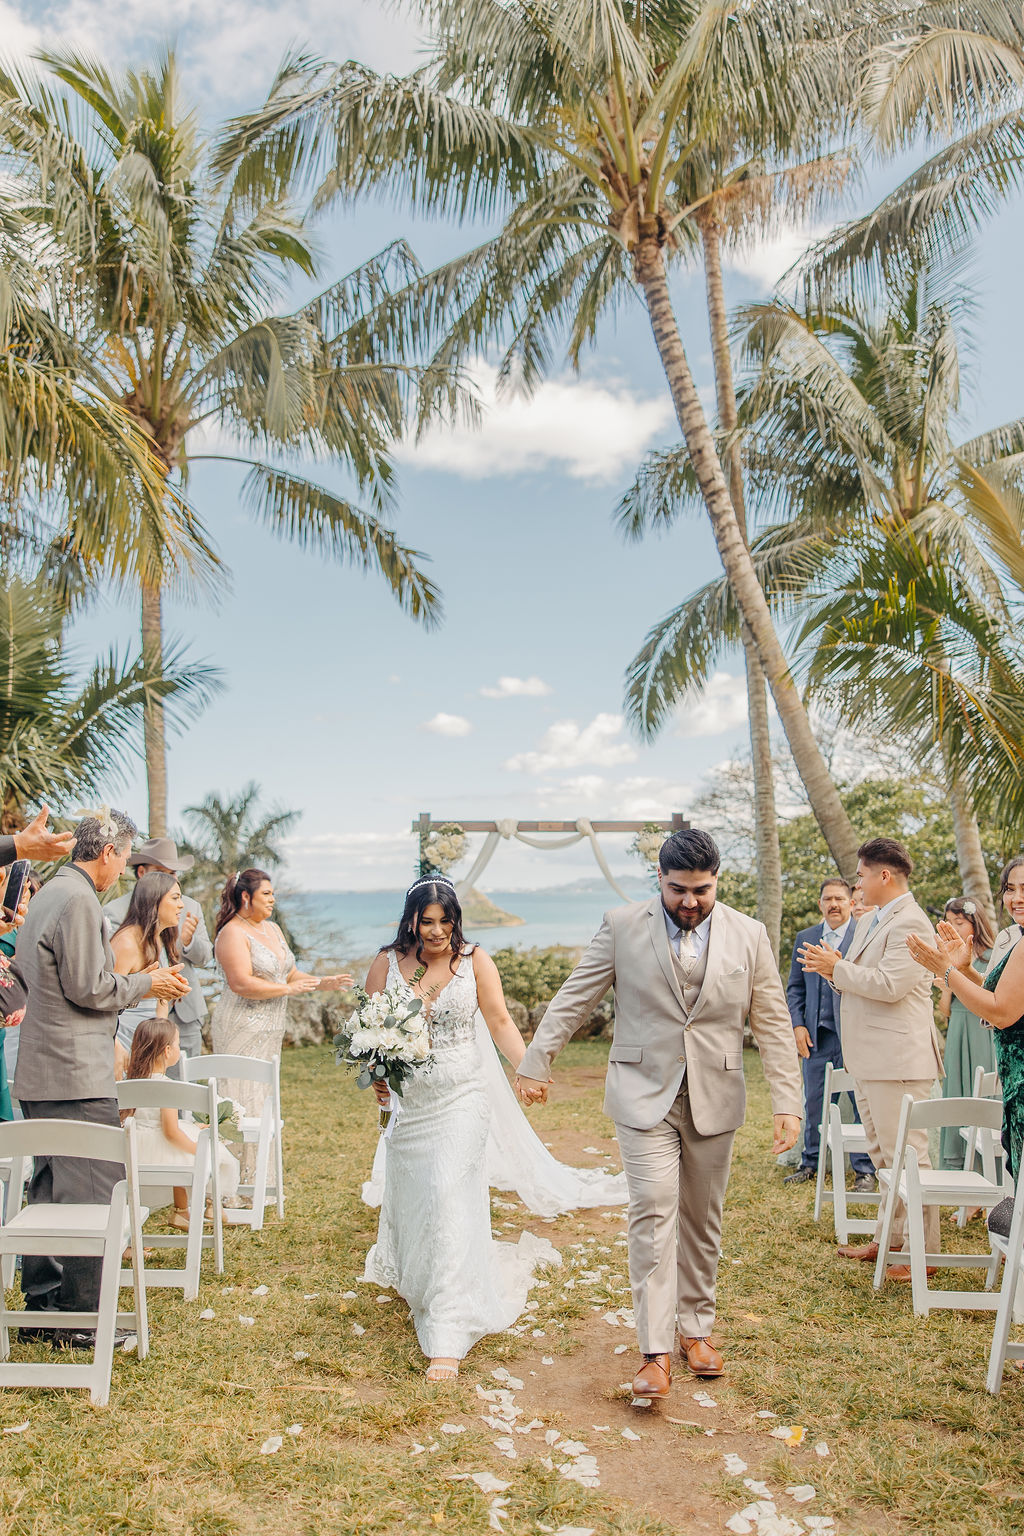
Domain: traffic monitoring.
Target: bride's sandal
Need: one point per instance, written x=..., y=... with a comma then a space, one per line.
x=442, y=1370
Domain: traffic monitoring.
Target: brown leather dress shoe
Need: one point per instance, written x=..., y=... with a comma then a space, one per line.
x=902, y=1272
x=701, y=1356
x=866, y=1252
x=654, y=1377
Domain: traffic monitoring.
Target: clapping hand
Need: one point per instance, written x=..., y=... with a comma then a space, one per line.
x=189, y=924
x=820, y=958
x=35, y=842
x=167, y=983
x=950, y=950
x=341, y=983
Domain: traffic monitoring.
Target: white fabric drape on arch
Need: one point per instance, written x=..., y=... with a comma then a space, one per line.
x=517, y=1159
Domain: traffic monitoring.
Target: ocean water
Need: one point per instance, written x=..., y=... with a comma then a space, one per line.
x=356, y=923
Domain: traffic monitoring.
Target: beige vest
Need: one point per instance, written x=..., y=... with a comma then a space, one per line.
x=690, y=986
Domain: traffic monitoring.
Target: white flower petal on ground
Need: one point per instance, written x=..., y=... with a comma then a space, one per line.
x=488, y=1483
x=738, y=1525
x=620, y=1349
x=300, y=1354
x=271, y=1445
x=704, y=1399
x=453, y=1429
x=382, y=1301
x=293, y=1430
x=358, y=1330
x=574, y=1448
x=759, y=1490
x=348, y=1295
x=735, y=1465
x=547, y=1359
x=538, y=1333
x=130, y=1344
x=17, y=1429
x=207, y=1315
x=611, y=1319
x=571, y=1530
x=512, y=1382
x=821, y=1449
x=552, y=1436
x=592, y=1149
x=630, y=1434
x=766, y=1413
x=246, y=1322
x=262, y=1290
x=311, y=1296
x=507, y=1448
x=496, y=1513
x=601, y=1427
x=417, y=1449
x=819, y=1522
x=802, y=1493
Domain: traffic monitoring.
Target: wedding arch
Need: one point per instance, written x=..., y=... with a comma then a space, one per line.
x=541, y=834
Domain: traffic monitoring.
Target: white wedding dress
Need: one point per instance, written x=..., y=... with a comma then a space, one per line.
x=454, y=1137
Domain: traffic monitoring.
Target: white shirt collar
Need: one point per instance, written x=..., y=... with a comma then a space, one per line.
x=883, y=912
x=837, y=934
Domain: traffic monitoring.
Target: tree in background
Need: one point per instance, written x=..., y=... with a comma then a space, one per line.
x=228, y=833
x=575, y=125
x=170, y=277
x=66, y=735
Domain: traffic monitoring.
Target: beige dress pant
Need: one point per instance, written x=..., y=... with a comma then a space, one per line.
x=676, y=1180
x=879, y=1105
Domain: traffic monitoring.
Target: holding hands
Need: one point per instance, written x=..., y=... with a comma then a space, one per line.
x=531, y=1091
x=949, y=952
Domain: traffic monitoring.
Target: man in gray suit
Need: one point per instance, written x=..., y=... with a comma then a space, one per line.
x=66, y=1061
x=160, y=856
x=687, y=972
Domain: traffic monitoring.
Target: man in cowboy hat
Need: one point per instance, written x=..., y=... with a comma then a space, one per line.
x=160, y=856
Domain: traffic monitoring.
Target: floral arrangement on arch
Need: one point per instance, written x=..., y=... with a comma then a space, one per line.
x=441, y=849
x=646, y=844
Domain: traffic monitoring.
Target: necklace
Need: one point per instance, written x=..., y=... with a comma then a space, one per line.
x=260, y=927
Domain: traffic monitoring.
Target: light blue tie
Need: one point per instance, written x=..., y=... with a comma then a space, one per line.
x=872, y=925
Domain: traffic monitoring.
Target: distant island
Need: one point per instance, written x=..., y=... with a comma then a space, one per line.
x=479, y=911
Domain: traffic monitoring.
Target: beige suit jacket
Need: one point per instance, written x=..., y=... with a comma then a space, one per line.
x=656, y=1042
x=888, y=1025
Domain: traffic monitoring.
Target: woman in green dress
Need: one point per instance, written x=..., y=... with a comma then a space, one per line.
x=969, y=1042
x=999, y=1002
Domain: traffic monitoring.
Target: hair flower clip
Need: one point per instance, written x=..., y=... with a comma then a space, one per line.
x=968, y=909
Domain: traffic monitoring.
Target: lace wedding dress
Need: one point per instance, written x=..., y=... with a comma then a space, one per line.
x=434, y=1244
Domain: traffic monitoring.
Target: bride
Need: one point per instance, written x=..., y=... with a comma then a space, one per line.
x=434, y=1244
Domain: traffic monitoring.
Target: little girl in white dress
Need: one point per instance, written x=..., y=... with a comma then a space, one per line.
x=161, y=1140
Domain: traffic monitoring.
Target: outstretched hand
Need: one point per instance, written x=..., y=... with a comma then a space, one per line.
x=35, y=842
x=531, y=1091
x=948, y=950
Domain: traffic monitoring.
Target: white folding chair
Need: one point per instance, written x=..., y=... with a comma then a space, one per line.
x=14, y=1172
x=837, y=1140
x=980, y=1142
x=1011, y=1299
x=157, y=1180
x=918, y=1187
x=263, y=1130
x=97, y=1231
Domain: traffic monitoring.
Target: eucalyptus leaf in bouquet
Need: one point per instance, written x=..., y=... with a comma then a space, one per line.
x=386, y=1039
x=230, y=1115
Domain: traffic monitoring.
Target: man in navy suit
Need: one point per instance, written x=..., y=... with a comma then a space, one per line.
x=814, y=1009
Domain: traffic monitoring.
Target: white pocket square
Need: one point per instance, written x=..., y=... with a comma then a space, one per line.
x=737, y=970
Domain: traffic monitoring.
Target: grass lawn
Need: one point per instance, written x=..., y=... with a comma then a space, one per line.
x=915, y=1444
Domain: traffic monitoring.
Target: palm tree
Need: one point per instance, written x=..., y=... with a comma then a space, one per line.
x=230, y=833
x=902, y=559
x=173, y=282
x=65, y=735
x=576, y=124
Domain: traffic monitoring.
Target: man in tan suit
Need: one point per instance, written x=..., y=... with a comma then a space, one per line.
x=890, y=1043
x=687, y=972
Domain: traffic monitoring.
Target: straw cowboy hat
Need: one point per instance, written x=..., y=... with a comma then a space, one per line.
x=162, y=851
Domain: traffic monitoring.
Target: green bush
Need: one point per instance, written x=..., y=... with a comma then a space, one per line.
x=533, y=976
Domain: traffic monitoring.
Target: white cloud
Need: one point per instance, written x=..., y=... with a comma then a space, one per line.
x=767, y=261
x=517, y=687
x=640, y=798
x=721, y=707
x=591, y=431
x=447, y=725
x=348, y=860
x=566, y=745
x=229, y=51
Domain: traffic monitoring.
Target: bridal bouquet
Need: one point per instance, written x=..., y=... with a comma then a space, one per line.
x=230, y=1115
x=386, y=1038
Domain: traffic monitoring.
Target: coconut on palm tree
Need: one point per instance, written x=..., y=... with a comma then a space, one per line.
x=173, y=280
x=575, y=124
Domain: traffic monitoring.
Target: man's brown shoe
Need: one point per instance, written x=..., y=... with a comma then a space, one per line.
x=902, y=1272
x=654, y=1377
x=701, y=1356
x=866, y=1252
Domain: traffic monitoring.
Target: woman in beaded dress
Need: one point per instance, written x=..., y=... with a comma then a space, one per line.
x=434, y=1243
x=260, y=976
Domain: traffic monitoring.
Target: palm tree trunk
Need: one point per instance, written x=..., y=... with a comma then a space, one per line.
x=970, y=855
x=153, y=713
x=767, y=852
x=822, y=794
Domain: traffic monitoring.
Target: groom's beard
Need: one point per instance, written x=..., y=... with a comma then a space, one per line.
x=689, y=918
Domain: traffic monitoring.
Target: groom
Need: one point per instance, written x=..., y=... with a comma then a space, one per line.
x=687, y=971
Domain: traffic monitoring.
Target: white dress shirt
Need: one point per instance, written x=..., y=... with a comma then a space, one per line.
x=834, y=936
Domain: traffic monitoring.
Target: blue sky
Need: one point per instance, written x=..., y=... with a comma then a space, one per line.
x=336, y=703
